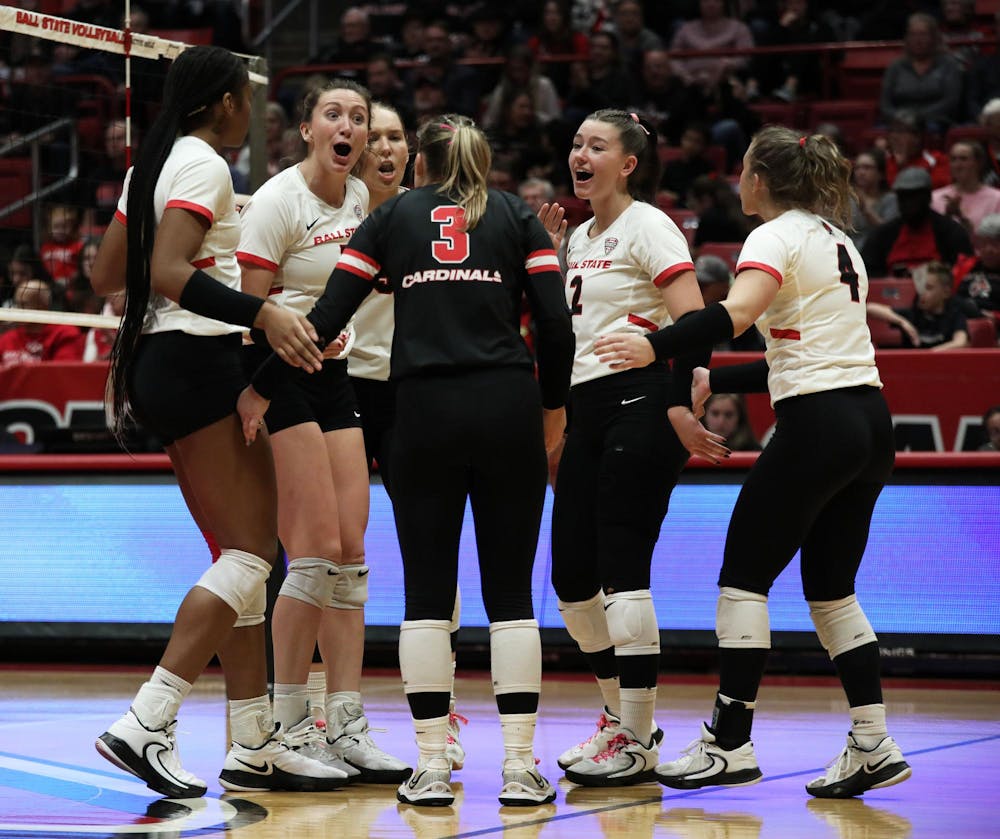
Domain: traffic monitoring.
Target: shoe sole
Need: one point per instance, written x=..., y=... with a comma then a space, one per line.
x=429, y=801
x=118, y=752
x=278, y=781
x=527, y=801
x=858, y=784
x=743, y=778
x=566, y=764
x=380, y=776
x=646, y=777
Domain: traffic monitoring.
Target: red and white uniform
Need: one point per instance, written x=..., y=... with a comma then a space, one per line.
x=815, y=329
x=195, y=178
x=613, y=281
x=289, y=230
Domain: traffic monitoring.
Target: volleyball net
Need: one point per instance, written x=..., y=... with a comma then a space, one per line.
x=75, y=99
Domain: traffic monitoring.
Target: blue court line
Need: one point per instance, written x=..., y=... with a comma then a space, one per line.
x=679, y=796
x=75, y=767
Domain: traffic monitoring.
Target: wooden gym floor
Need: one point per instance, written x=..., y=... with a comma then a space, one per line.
x=54, y=784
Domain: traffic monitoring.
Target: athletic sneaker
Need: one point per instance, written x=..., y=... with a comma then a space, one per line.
x=623, y=763
x=150, y=754
x=347, y=732
x=453, y=744
x=307, y=739
x=706, y=764
x=275, y=766
x=429, y=786
x=856, y=769
x=524, y=786
x=607, y=727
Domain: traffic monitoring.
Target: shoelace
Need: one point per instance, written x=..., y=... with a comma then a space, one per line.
x=308, y=735
x=615, y=745
x=453, y=721
x=602, y=724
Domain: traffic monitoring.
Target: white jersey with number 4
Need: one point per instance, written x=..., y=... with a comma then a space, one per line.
x=292, y=232
x=816, y=328
x=613, y=280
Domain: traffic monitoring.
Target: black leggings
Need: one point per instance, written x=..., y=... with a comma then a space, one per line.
x=813, y=487
x=618, y=468
x=477, y=436
x=377, y=405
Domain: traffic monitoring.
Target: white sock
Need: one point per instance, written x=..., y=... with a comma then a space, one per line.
x=291, y=704
x=518, y=731
x=431, y=736
x=250, y=721
x=868, y=725
x=610, y=693
x=158, y=700
x=316, y=687
x=637, y=712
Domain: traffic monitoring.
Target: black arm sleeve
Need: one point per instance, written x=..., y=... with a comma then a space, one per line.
x=554, y=341
x=682, y=371
x=211, y=299
x=699, y=330
x=343, y=294
x=739, y=378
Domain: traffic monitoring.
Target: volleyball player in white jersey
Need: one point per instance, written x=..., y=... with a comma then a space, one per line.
x=815, y=485
x=176, y=366
x=628, y=268
x=293, y=231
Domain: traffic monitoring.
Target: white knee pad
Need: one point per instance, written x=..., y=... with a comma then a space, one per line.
x=741, y=620
x=515, y=657
x=350, y=588
x=586, y=623
x=311, y=580
x=236, y=578
x=632, y=623
x=254, y=612
x=840, y=624
x=425, y=656
x=456, y=612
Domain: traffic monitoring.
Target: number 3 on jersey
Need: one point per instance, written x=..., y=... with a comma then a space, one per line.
x=576, y=306
x=453, y=246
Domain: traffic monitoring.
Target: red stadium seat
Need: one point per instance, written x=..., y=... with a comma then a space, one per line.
x=965, y=132
x=896, y=292
x=185, y=36
x=727, y=251
x=686, y=220
x=852, y=116
x=982, y=332
x=860, y=72
x=577, y=210
x=884, y=336
x=15, y=183
x=780, y=113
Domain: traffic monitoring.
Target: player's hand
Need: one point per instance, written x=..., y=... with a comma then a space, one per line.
x=553, y=219
x=910, y=330
x=554, y=457
x=342, y=344
x=291, y=336
x=624, y=350
x=251, y=407
x=554, y=425
x=700, y=391
x=697, y=439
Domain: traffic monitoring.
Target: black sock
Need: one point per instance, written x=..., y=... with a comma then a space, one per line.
x=731, y=723
x=859, y=674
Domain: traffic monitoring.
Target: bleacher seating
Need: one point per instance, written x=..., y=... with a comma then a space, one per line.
x=852, y=116
x=15, y=183
x=982, y=332
x=859, y=75
x=727, y=251
x=895, y=292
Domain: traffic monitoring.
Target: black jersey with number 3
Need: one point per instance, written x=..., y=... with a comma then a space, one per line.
x=457, y=293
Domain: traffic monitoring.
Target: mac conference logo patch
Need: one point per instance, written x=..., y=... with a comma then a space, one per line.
x=609, y=245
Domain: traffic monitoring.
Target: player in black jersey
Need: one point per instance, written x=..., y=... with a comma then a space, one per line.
x=471, y=422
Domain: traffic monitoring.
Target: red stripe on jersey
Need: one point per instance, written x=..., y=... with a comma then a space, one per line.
x=362, y=256
x=277, y=289
x=786, y=334
x=641, y=321
x=207, y=262
x=667, y=275
x=355, y=270
x=539, y=254
x=760, y=266
x=545, y=266
x=120, y=217
x=256, y=261
x=190, y=206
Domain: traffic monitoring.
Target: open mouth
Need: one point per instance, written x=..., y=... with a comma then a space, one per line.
x=342, y=149
x=387, y=167
x=583, y=177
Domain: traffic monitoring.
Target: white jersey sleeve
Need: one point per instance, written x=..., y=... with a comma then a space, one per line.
x=816, y=328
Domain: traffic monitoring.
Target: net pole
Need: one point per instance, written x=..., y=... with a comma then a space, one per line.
x=128, y=83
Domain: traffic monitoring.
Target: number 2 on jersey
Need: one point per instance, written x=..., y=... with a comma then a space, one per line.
x=453, y=246
x=848, y=276
x=576, y=306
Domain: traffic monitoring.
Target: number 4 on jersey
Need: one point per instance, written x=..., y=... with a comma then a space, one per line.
x=848, y=276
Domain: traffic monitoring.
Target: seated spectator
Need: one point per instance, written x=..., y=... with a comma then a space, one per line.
x=555, y=36
x=872, y=202
x=983, y=78
x=410, y=45
x=459, y=85
x=967, y=199
x=602, y=82
x=726, y=415
x=958, y=23
x=919, y=235
x=101, y=186
x=908, y=147
x=989, y=118
x=935, y=321
x=31, y=342
x=535, y=192
x=714, y=280
x=925, y=79
x=712, y=30
x=991, y=426
x=520, y=74
x=386, y=86
x=681, y=172
x=792, y=75
x=665, y=98
x=354, y=43
x=634, y=38
x=60, y=249
x=275, y=123
x=80, y=296
x=24, y=264
x=720, y=218
x=489, y=37
x=518, y=135
x=98, y=343
x=502, y=175
x=977, y=277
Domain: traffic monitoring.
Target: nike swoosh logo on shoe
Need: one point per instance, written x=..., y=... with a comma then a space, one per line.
x=264, y=768
x=158, y=763
x=873, y=767
x=412, y=783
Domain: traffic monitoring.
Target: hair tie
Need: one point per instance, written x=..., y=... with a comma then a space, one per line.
x=197, y=110
x=802, y=141
x=447, y=127
x=635, y=119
